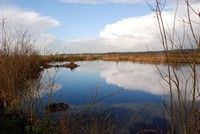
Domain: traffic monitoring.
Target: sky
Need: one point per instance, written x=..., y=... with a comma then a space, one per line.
x=88, y=26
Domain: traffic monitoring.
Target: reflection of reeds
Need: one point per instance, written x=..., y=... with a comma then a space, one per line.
x=88, y=123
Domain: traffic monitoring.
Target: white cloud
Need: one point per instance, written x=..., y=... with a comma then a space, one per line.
x=137, y=33
x=90, y=45
x=49, y=44
x=140, y=33
x=102, y=1
x=28, y=20
x=33, y=22
x=130, y=34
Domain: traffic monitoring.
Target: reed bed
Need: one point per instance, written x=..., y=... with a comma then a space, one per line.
x=173, y=56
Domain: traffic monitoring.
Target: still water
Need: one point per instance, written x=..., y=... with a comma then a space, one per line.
x=122, y=90
x=106, y=83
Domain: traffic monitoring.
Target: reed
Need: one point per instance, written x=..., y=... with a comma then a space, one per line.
x=181, y=56
x=19, y=66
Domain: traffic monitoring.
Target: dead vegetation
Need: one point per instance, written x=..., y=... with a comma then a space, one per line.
x=19, y=65
x=182, y=56
x=182, y=104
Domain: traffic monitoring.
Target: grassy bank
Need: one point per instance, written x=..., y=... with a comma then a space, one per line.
x=173, y=56
x=20, y=71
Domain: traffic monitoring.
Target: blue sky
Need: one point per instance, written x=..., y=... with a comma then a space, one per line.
x=82, y=20
x=91, y=26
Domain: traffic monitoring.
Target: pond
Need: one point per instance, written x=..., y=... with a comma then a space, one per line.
x=107, y=83
x=124, y=89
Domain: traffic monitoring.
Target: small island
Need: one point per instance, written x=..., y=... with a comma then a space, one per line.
x=70, y=65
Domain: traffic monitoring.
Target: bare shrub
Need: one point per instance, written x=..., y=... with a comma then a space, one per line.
x=182, y=107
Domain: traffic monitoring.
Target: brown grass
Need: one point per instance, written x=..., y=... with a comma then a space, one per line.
x=174, y=56
x=19, y=66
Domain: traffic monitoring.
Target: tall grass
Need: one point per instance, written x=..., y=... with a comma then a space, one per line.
x=174, y=56
x=19, y=66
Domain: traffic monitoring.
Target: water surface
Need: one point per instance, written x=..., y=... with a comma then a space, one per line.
x=107, y=83
x=124, y=90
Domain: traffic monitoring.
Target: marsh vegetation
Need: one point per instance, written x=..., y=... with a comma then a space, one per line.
x=29, y=105
x=178, y=56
